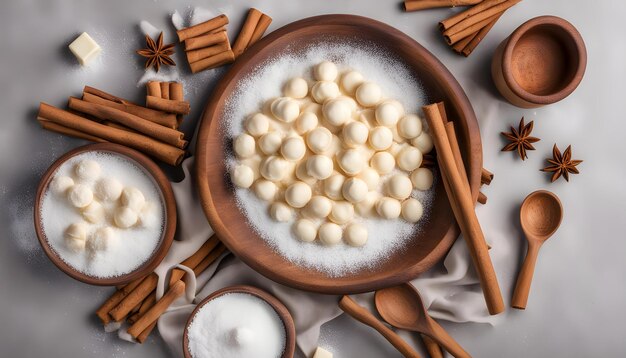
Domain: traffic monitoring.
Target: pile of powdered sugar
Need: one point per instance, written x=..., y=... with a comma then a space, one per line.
x=396, y=81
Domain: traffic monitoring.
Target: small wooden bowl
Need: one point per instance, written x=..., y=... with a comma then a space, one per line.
x=169, y=203
x=425, y=249
x=281, y=311
x=541, y=62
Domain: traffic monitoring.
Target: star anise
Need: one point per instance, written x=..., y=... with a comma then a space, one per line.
x=562, y=164
x=520, y=139
x=157, y=53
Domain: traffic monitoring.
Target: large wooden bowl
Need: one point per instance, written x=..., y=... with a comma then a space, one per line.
x=218, y=201
x=169, y=204
x=279, y=308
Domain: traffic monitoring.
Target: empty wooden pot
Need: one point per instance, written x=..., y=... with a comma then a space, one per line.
x=541, y=62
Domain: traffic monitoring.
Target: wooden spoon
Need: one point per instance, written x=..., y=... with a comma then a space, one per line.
x=349, y=306
x=540, y=215
x=401, y=306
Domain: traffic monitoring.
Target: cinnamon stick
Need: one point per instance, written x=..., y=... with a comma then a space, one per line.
x=136, y=296
x=213, y=61
x=168, y=105
x=415, y=5
x=243, y=39
x=153, y=88
x=452, y=38
x=461, y=199
x=103, y=311
x=460, y=45
x=155, y=312
x=53, y=127
x=165, y=91
x=261, y=27
x=146, y=332
x=479, y=17
x=479, y=36
x=164, y=119
x=202, y=28
x=482, y=198
x=151, y=129
x=177, y=94
x=482, y=6
x=486, y=176
x=197, y=55
x=205, y=40
x=161, y=151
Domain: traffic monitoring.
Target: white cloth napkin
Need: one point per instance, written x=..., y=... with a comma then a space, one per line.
x=450, y=291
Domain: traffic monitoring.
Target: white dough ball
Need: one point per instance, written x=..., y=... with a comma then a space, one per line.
x=242, y=176
x=285, y=109
x=370, y=177
x=60, y=184
x=324, y=90
x=333, y=186
x=125, y=217
x=351, y=102
x=94, y=212
x=423, y=142
x=355, y=235
x=293, y=148
x=412, y=210
x=302, y=173
x=354, y=190
x=133, y=198
x=380, y=138
x=270, y=142
x=350, y=81
x=355, y=133
x=298, y=194
x=273, y=168
x=351, y=161
x=388, y=208
x=325, y=71
x=367, y=207
x=102, y=240
x=422, y=178
x=108, y=189
x=383, y=162
x=318, y=207
x=330, y=234
x=265, y=189
x=281, y=212
x=341, y=213
x=387, y=114
x=87, y=169
x=257, y=124
x=319, y=167
x=296, y=88
x=306, y=122
x=368, y=94
x=319, y=140
x=337, y=111
x=80, y=195
x=410, y=126
x=244, y=145
x=75, y=236
x=409, y=158
x=398, y=105
x=305, y=230
x=148, y=215
x=399, y=186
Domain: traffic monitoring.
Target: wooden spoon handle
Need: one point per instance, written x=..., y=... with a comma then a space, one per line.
x=445, y=340
x=525, y=277
x=349, y=306
x=432, y=347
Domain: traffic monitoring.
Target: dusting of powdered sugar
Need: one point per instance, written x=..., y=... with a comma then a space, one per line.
x=178, y=21
x=397, y=82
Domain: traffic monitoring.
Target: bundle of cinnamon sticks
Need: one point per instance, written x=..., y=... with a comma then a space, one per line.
x=101, y=117
x=465, y=30
x=136, y=302
x=207, y=45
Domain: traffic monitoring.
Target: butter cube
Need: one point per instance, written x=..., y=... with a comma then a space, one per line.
x=85, y=48
x=322, y=353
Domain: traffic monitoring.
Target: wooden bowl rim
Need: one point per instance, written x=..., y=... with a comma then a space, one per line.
x=280, y=309
x=169, y=205
x=507, y=59
x=360, y=284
